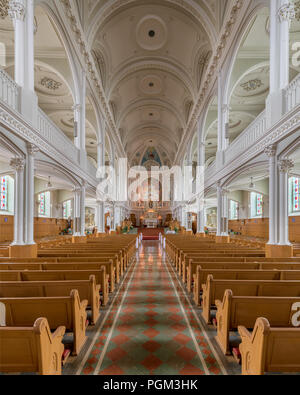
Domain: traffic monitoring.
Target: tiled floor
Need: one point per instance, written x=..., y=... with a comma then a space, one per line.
x=151, y=327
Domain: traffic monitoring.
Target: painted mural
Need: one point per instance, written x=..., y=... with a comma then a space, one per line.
x=151, y=155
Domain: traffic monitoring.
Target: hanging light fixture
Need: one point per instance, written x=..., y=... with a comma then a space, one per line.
x=49, y=185
x=251, y=185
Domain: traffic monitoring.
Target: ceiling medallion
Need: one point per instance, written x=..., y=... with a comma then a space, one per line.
x=49, y=83
x=252, y=85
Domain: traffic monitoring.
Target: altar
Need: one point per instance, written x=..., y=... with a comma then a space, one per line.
x=150, y=219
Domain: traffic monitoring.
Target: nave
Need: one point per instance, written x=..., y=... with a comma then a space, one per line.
x=151, y=327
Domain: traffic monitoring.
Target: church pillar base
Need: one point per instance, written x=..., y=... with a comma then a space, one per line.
x=222, y=239
x=279, y=251
x=79, y=239
x=23, y=251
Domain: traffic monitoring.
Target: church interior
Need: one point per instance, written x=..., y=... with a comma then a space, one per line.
x=103, y=272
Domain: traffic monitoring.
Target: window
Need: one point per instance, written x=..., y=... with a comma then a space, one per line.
x=4, y=194
x=234, y=207
x=256, y=205
x=67, y=209
x=294, y=206
x=44, y=204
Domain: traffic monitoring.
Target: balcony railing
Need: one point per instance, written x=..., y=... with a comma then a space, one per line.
x=293, y=94
x=9, y=91
x=56, y=137
x=247, y=138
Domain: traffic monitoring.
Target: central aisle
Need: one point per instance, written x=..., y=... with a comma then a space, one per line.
x=151, y=327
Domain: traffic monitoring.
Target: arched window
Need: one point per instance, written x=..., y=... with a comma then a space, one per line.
x=294, y=194
x=44, y=204
x=234, y=208
x=7, y=195
x=67, y=209
x=256, y=202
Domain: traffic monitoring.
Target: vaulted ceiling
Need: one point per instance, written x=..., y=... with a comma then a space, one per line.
x=151, y=57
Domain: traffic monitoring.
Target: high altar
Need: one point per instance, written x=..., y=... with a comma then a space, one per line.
x=151, y=217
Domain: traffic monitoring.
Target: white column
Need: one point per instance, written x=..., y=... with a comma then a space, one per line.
x=101, y=217
x=223, y=120
x=285, y=166
x=100, y=155
x=219, y=210
x=271, y=153
x=200, y=216
x=82, y=210
x=281, y=13
x=18, y=165
x=30, y=204
x=22, y=15
x=225, y=215
x=76, y=214
x=113, y=217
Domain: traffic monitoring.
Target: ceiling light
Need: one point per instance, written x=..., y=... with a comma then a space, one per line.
x=251, y=185
x=151, y=33
x=49, y=185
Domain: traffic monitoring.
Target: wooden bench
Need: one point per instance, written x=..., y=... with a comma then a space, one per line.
x=60, y=311
x=31, y=349
x=214, y=289
x=60, y=275
x=232, y=274
x=269, y=349
x=87, y=289
x=236, y=311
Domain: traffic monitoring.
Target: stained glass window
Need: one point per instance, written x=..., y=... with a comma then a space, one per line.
x=44, y=204
x=234, y=206
x=4, y=193
x=256, y=205
x=295, y=194
x=67, y=209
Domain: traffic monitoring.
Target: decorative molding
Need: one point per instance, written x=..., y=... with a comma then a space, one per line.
x=285, y=165
x=16, y=10
x=270, y=151
x=18, y=164
x=32, y=149
x=4, y=7
x=51, y=84
x=252, y=85
x=286, y=12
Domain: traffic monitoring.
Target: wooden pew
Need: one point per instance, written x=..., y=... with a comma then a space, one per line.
x=232, y=274
x=87, y=289
x=31, y=349
x=60, y=275
x=240, y=263
x=60, y=311
x=214, y=289
x=235, y=311
x=269, y=349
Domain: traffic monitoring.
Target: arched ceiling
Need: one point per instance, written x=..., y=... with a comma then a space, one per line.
x=150, y=55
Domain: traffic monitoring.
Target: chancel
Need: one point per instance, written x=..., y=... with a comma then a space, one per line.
x=149, y=188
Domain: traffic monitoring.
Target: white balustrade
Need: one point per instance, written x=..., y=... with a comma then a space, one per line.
x=9, y=90
x=56, y=137
x=247, y=138
x=293, y=94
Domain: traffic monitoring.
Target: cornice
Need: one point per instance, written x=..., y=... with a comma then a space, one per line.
x=74, y=30
x=288, y=125
x=14, y=122
x=218, y=57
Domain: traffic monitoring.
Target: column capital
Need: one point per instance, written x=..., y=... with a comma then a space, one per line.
x=16, y=10
x=270, y=151
x=18, y=164
x=32, y=149
x=286, y=12
x=285, y=165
